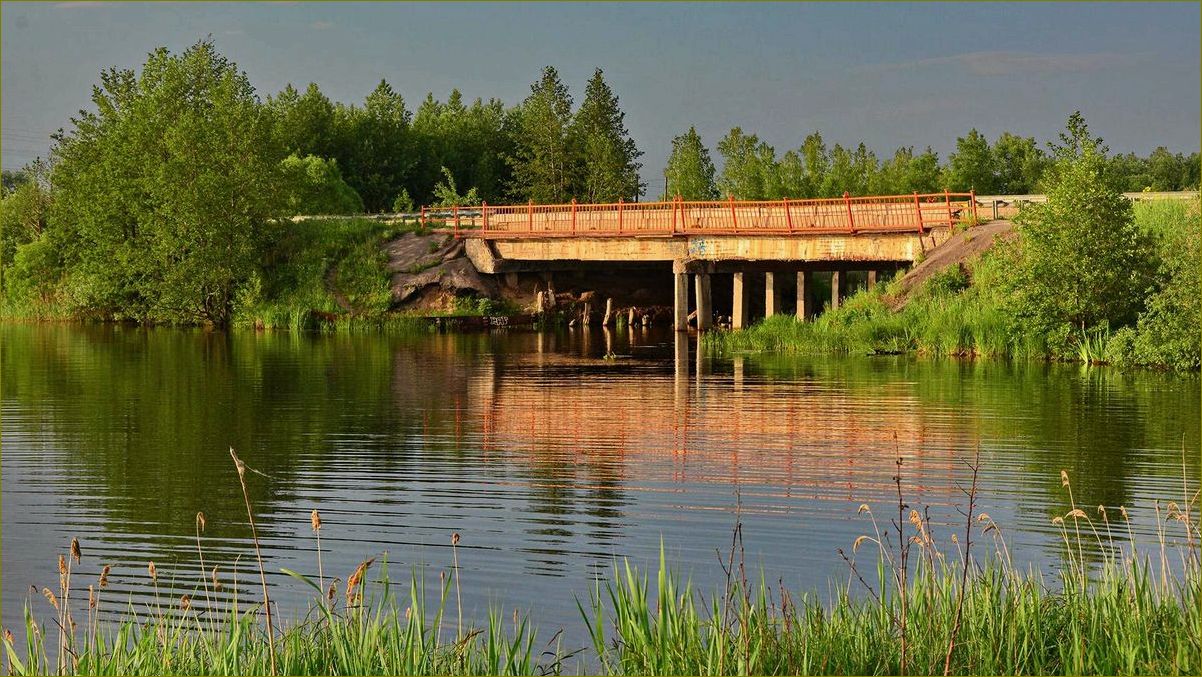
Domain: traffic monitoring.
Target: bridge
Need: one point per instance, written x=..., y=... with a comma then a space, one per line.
x=773, y=238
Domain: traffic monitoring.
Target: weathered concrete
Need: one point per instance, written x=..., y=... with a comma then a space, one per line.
x=771, y=294
x=739, y=302
x=705, y=308
x=804, y=278
x=680, y=315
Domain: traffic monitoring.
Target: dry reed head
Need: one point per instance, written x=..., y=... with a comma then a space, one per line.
x=1064, y=478
x=91, y=597
x=75, y=553
x=1076, y=513
x=315, y=520
x=104, y=575
x=332, y=591
x=185, y=602
x=216, y=582
x=1123, y=512
x=50, y=597
x=200, y=521
x=856, y=544
x=154, y=572
x=455, y=538
x=62, y=565
x=356, y=578
x=863, y=509
x=8, y=636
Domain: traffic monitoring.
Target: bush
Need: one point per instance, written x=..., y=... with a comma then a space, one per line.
x=313, y=185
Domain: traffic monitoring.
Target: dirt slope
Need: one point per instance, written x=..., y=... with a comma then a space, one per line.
x=956, y=251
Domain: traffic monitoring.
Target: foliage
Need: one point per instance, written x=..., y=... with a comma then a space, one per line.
x=690, y=172
x=471, y=141
x=403, y=204
x=447, y=195
x=608, y=161
x=1081, y=261
x=374, y=146
x=313, y=185
x=162, y=193
x=971, y=165
x=1168, y=331
x=544, y=165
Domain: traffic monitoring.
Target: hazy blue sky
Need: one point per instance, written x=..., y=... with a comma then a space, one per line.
x=887, y=74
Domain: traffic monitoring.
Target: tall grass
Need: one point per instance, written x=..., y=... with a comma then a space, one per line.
x=911, y=603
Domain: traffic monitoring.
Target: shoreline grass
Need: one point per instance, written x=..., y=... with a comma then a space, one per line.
x=918, y=605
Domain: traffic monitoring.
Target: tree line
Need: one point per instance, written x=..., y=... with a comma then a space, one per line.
x=163, y=199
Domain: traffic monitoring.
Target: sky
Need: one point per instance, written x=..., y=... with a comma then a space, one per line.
x=887, y=74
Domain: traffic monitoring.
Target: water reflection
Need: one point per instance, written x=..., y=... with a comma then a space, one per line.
x=550, y=458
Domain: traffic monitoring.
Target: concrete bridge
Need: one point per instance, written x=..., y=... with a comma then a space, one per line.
x=773, y=239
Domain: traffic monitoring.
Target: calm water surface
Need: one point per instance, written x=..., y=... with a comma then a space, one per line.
x=549, y=460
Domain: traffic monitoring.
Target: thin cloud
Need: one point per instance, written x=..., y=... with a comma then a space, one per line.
x=81, y=4
x=321, y=25
x=984, y=64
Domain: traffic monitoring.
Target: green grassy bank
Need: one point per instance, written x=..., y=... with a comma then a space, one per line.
x=974, y=312
x=912, y=602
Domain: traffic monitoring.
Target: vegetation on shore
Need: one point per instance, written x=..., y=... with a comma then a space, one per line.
x=920, y=605
x=1089, y=276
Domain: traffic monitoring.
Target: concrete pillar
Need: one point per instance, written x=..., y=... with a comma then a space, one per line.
x=803, y=296
x=836, y=292
x=705, y=309
x=680, y=313
x=738, y=313
x=771, y=295
x=871, y=279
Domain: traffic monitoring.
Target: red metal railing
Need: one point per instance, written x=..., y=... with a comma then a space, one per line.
x=843, y=215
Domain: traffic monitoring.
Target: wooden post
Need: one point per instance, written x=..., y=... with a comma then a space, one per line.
x=586, y=316
x=609, y=312
x=972, y=196
x=995, y=210
x=484, y=214
x=738, y=315
x=835, y=291
x=705, y=310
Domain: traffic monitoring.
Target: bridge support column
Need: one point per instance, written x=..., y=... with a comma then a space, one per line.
x=771, y=294
x=680, y=315
x=871, y=279
x=705, y=309
x=836, y=292
x=803, y=294
x=738, y=313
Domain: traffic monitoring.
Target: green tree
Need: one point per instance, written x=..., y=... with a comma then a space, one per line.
x=446, y=194
x=1081, y=260
x=314, y=185
x=971, y=165
x=161, y=195
x=544, y=165
x=747, y=163
x=303, y=123
x=690, y=171
x=10, y=179
x=374, y=146
x=1019, y=164
x=609, y=166
x=817, y=164
x=24, y=210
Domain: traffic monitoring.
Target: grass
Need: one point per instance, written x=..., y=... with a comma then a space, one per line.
x=911, y=604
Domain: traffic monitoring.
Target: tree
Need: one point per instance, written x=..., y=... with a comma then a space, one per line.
x=313, y=185
x=1081, y=261
x=609, y=166
x=161, y=195
x=303, y=123
x=1018, y=163
x=24, y=209
x=970, y=166
x=374, y=146
x=446, y=194
x=747, y=163
x=817, y=164
x=10, y=179
x=544, y=165
x=690, y=171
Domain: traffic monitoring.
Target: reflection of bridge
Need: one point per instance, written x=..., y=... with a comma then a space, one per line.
x=775, y=238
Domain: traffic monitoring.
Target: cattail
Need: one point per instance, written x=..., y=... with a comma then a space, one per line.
x=62, y=565
x=216, y=583
x=200, y=521
x=50, y=598
x=185, y=602
x=332, y=591
x=104, y=575
x=91, y=597
x=1064, y=478
x=75, y=553
x=315, y=520
x=863, y=509
x=455, y=538
x=353, y=582
x=154, y=573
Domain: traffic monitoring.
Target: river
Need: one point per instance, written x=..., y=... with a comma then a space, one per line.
x=552, y=462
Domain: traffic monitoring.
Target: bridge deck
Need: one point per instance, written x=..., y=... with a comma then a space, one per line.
x=913, y=213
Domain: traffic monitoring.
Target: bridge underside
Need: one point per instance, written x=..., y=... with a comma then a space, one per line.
x=776, y=258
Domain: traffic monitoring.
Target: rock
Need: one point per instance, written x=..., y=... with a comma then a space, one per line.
x=420, y=262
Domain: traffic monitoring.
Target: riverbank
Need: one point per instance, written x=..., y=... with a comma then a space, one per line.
x=967, y=310
x=913, y=602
